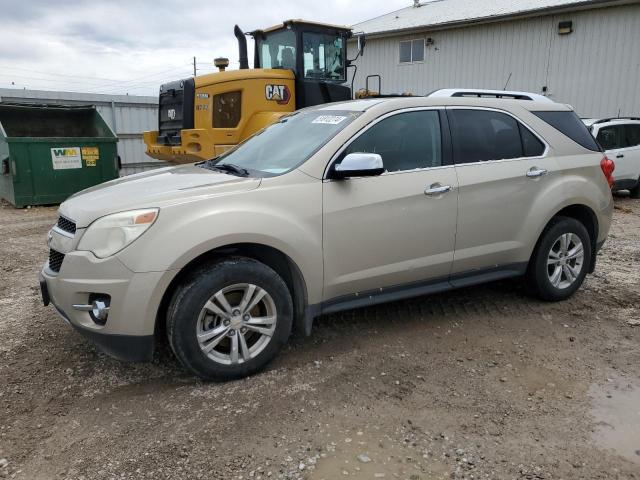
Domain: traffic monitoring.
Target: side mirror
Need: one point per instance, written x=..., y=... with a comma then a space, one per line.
x=362, y=40
x=359, y=165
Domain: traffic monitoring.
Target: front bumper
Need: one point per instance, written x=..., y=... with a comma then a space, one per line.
x=130, y=348
x=128, y=333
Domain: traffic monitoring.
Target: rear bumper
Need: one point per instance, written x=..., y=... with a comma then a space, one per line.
x=625, y=184
x=196, y=145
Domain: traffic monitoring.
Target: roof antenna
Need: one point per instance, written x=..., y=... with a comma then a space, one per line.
x=508, y=79
x=619, y=112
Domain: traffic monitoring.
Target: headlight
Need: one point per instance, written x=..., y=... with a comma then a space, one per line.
x=108, y=235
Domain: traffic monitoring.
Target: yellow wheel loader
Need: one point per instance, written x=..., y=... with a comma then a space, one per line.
x=296, y=64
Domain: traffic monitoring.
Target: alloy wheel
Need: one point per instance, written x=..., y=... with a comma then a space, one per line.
x=236, y=324
x=565, y=260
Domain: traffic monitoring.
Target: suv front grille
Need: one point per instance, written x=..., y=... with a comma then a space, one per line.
x=66, y=225
x=55, y=260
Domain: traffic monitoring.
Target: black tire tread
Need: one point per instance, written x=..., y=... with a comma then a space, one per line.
x=536, y=281
x=212, y=272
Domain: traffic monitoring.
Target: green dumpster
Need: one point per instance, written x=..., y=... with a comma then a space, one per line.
x=48, y=153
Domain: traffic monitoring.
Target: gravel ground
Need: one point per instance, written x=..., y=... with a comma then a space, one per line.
x=478, y=383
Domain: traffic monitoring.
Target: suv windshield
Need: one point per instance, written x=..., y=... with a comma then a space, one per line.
x=285, y=145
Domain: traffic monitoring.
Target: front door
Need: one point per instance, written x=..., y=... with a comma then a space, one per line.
x=385, y=231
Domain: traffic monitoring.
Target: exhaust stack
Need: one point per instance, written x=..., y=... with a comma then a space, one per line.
x=242, y=47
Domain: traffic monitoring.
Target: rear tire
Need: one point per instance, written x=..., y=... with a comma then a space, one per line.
x=229, y=319
x=635, y=192
x=560, y=261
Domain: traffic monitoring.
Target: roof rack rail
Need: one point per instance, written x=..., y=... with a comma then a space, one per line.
x=483, y=93
x=605, y=120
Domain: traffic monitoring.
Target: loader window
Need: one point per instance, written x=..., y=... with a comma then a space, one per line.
x=278, y=50
x=323, y=56
x=226, y=110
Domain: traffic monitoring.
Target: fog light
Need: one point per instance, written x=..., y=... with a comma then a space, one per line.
x=99, y=311
x=98, y=308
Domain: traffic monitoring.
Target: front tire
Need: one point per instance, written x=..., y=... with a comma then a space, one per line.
x=635, y=191
x=560, y=261
x=229, y=319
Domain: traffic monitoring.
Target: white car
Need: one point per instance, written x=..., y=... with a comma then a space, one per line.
x=620, y=138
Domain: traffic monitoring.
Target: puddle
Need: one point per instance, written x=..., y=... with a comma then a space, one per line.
x=616, y=408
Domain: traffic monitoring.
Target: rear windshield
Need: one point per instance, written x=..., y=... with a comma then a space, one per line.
x=570, y=124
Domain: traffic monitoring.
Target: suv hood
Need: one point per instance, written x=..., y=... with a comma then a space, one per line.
x=157, y=188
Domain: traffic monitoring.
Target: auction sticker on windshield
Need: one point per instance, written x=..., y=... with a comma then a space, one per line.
x=329, y=119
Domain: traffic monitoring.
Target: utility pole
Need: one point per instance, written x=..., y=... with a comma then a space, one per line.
x=194, y=66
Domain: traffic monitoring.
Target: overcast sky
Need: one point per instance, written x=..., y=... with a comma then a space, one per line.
x=132, y=46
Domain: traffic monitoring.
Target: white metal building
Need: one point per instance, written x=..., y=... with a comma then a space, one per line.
x=127, y=116
x=581, y=52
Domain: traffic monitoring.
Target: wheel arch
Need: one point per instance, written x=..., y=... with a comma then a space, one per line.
x=585, y=215
x=281, y=263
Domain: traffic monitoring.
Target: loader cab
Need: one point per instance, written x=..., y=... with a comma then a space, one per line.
x=316, y=53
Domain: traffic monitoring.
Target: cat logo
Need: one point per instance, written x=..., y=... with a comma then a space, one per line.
x=171, y=113
x=277, y=93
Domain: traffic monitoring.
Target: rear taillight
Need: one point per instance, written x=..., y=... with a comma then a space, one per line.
x=608, y=167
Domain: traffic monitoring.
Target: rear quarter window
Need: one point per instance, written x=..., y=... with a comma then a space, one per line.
x=570, y=125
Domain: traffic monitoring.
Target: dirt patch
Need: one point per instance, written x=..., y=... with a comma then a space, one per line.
x=482, y=382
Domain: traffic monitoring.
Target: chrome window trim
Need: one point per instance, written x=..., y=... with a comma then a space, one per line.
x=366, y=128
x=547, y=147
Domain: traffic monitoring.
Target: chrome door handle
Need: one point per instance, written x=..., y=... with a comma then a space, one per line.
x=620, y=155
x=536, y=172
x=437, y=189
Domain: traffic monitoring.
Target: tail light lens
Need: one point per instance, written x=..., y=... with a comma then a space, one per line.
x=608, y=167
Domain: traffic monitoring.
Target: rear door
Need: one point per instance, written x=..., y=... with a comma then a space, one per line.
x=613, y=138
x=502, y=168
x=396, y=228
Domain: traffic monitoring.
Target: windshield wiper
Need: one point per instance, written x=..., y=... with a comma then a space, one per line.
x=230, y=168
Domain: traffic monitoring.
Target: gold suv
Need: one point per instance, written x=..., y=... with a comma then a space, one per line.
x=334, y=207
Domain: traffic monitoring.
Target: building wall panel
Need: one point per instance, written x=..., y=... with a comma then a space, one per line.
x=595, y=69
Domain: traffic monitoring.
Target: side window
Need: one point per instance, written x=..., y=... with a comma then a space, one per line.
x=531, y=145
x=481, y=135
x=612, y=137
x=633, y=135
x=405, y=141
x=226, y=110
